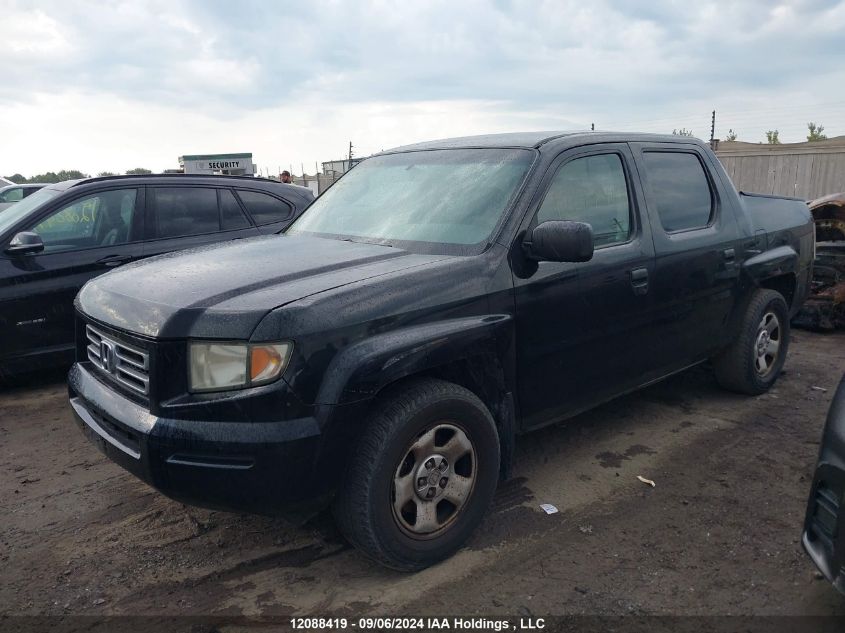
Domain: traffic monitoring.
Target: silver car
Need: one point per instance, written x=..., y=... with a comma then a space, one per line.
x=15, y=193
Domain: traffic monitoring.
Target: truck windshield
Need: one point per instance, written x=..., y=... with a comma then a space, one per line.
x=19, y=210
x=440, y=197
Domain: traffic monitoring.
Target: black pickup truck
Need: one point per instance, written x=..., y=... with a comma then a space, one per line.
x=439, y=300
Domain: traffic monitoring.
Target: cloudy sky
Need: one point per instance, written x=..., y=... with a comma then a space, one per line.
x=109, y=85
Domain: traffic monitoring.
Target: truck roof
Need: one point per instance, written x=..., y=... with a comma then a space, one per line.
x=533, y=140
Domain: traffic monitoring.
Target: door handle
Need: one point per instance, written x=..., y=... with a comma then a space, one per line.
x=639, y=280
x=730, y=260
x=114, y=260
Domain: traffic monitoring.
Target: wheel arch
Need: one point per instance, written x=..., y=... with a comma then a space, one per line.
x=775, y=269
x=485, y=379
x=472, y=352
x=784, y=284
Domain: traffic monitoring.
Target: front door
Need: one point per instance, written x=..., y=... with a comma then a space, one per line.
x=583, y=330
x=82, y=239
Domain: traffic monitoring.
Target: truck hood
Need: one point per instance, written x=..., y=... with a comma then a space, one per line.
x=224, y=290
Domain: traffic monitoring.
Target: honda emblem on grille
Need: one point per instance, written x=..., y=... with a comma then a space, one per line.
x=107, y=358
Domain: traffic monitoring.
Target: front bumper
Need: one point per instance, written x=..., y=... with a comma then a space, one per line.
x=824, y=526
x=261, y=467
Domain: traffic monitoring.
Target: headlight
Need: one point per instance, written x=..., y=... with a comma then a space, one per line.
x=220, y=366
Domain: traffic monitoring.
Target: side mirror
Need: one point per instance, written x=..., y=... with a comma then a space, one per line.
x=24, y=243
x=561, y=241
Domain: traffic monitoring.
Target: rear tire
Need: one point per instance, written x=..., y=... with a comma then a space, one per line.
x=421, y=476
x=753, y=362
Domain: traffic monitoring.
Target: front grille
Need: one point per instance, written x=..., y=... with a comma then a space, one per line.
x=122, y=363
x=826, y=512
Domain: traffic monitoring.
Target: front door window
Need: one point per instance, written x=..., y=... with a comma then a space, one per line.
x=591, y=189
x=102, y=219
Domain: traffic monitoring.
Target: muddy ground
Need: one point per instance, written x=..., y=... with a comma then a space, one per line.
x=719, y=534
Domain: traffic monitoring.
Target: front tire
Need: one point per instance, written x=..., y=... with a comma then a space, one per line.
x=753, y=362
x=421, y=476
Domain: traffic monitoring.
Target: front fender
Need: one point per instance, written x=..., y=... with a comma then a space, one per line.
x=362, y=369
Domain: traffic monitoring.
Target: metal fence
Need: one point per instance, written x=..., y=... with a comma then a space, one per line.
x=801, y=170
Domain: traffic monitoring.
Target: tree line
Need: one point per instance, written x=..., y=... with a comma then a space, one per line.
x=72, y=174
x=815, y=133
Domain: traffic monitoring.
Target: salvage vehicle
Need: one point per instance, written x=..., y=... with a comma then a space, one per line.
x=824, y=525
x=13, y=194
x=64, y=234
x=437, y=301
x=825, y=306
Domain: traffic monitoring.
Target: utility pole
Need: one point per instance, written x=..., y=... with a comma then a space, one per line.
x=713, y=130
x=350, y=153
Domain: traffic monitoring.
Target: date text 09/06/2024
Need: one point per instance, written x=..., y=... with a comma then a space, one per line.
x=412, y=624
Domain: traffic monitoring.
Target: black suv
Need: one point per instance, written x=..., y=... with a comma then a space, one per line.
x=62, y=235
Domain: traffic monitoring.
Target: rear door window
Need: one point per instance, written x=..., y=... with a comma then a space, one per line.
x=264, y=208
x=231, y=214
x=680, y=190
x=183, y=211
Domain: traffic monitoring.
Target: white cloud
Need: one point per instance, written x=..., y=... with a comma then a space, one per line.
x=33, y=35
x=94, y=133
x=103, y=86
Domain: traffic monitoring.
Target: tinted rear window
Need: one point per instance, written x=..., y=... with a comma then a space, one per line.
x=185, y=211
x=231, y=214
x=264, y=208
x=680, y=189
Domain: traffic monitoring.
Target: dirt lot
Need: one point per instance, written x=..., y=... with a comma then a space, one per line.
x=718, y=534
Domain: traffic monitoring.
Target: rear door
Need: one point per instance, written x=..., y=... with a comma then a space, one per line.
x=83, y=237
x=180, y=217
x=695, y=239
x=270, y=213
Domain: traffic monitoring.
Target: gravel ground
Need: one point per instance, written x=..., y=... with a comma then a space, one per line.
x=718, y=534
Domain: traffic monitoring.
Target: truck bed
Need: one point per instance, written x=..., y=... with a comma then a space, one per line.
x=776, y=214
